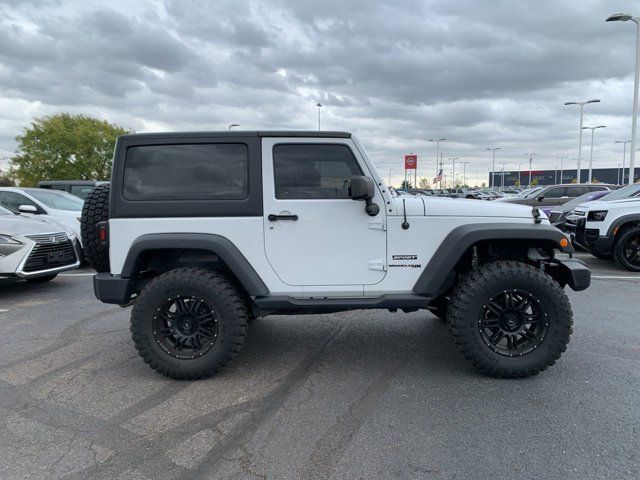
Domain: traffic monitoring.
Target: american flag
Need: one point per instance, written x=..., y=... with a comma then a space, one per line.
x=438, y=177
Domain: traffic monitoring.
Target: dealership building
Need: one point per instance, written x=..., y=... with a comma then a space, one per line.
x=552, y=177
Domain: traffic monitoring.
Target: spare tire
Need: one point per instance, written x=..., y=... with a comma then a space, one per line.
x=95, y=209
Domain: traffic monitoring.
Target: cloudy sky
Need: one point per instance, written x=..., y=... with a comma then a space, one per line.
x=480, y=73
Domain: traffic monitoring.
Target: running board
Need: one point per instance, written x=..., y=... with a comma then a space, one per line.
x=284, y=304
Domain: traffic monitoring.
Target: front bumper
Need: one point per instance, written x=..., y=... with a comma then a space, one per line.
x=590, y=238
x=570, y=272
x=112, y=288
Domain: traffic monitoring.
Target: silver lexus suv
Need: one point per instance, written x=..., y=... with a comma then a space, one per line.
x=34, y=249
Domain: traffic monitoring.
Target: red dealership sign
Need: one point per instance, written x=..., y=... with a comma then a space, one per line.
x=410, y=162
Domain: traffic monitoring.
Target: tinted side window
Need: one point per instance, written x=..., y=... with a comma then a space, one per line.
x=12, y=201
x=186, y=172
x=81, y=191
x=596, y=188
x=555, y=192
x=320, y=171
x=577, y=191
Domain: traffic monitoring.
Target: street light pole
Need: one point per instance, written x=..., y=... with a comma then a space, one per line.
x=624, y=154
x=319, y=105
x=581, y=104
x=624, y=17
x=493, y=165
x=561, y=165
x=503, y=164
x=593, y=129
x=464, y=173
x=519, y=180
x=437, y=140
x=530, y=155
x=453, y=169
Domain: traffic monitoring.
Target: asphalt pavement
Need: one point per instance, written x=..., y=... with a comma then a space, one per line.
x=358, y=395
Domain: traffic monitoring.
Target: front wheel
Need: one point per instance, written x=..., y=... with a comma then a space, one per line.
x=188, y=323
x=510, y=319
x=626, y=250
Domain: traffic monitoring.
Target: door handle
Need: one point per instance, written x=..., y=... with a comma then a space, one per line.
x=274, y=218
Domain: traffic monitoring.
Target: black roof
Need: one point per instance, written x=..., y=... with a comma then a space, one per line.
x=240, y=133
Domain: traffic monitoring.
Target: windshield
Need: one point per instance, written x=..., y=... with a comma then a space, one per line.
x=4, y=211
x=586, y=197
x=624, y=192
x=56, y=199
x=531, y=193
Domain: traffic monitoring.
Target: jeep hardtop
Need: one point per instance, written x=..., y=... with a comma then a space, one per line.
x=203, y=232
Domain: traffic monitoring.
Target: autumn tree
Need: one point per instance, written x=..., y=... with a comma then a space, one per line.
x=64, y=147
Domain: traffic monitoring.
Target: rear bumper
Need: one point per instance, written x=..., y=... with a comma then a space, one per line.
x=112, y=288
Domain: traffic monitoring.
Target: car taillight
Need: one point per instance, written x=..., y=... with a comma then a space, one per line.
x=103, y=233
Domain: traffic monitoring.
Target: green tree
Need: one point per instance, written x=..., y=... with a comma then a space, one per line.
x=405, y=185
x=65, y=147
x=424, y=183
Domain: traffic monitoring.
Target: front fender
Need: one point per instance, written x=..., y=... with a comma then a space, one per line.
x=437, y=272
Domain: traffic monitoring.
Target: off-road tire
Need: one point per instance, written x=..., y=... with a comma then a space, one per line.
x=94, y=210
x=618, y=249
x=468, y=302
x=224, y=298
x=44, y=279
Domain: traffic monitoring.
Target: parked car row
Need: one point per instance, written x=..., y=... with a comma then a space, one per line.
x=607, y=226
x=464, y=192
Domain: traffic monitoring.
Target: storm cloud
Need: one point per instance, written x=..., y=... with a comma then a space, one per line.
x=394, y=73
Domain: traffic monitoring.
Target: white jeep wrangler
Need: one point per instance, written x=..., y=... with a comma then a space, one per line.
x=202, y=232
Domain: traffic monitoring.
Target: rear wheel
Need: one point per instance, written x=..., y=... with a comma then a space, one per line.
x=95, y=210
x=626, y=251
x=188, y=323
x=510, y=319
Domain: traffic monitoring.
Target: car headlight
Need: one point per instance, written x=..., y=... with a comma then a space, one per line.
x=597, y=215
x=7, y=239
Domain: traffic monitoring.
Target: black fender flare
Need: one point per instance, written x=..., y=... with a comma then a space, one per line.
x=458, y=241
x=217, y=244
x=618, y=222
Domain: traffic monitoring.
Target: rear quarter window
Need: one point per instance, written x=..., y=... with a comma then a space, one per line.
x=186, y=172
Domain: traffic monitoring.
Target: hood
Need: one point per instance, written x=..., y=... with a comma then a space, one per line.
x=20, y=225
x=604, y=205
x=459, y=207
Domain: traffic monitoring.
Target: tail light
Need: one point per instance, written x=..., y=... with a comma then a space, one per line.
x=103, y=233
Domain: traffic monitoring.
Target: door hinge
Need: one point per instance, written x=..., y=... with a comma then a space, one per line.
x=379, y=225
x=377, y=265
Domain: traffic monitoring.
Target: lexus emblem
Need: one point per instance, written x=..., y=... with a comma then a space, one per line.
x=53, y=239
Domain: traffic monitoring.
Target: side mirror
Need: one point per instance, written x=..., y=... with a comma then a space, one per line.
x=363, y=188
x=27, y=209
x=540, y=198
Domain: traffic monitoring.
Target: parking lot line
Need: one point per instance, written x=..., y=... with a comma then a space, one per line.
x=616, y=277
x=84, y=274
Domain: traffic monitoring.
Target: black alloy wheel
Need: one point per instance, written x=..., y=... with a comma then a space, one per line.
x=513, y=323
x=626, y=250
x=631, y=251
x=185, y=327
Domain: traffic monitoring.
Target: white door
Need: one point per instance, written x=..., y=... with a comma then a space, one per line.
x=315, y=235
